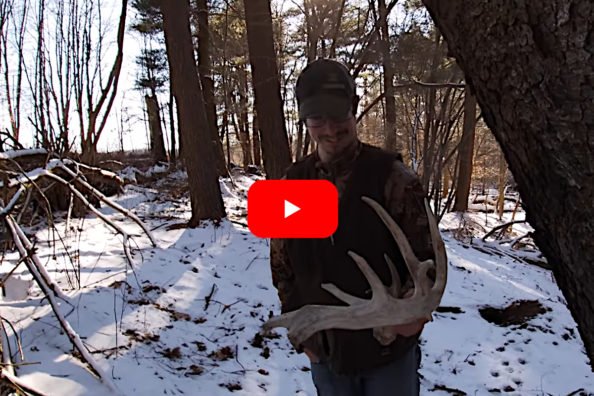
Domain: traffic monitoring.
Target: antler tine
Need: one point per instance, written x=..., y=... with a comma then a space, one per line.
x=341, y=295
x=377, y=287
x=408, y=255
x=394, y=289
x=441, y=259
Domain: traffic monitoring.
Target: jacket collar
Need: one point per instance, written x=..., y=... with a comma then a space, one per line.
x=341, y=164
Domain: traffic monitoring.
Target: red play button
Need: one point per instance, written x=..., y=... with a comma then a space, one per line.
x=292, y=209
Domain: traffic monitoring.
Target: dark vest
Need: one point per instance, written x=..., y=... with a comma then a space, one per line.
x=317, y=261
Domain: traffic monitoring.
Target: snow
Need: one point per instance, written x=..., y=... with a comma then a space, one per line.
x=183, y=320
x=12, y=154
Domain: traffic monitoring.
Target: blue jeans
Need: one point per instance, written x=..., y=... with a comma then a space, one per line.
x=398, y=378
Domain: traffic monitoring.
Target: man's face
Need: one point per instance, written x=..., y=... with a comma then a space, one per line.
x=332, y=136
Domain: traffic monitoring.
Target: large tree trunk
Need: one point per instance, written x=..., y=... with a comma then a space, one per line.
x=266, y=83
x=205, y=192
x=466, y=152
x=154, y=119
x=530, y=64
x=204, y=69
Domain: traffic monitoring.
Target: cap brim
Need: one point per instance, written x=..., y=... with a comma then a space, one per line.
x=325, y=105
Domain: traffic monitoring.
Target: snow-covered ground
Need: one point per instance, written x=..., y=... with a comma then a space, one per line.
x=186, y=319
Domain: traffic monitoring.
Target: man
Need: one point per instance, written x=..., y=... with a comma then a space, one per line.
x=348, y=362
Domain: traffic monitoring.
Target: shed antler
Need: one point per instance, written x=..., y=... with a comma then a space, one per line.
x=384, y=308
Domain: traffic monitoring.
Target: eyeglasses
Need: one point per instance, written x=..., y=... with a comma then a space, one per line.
x=320, y=121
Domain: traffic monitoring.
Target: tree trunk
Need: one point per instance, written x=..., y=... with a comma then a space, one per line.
x=172, y=154
x=205, y=192
x=204, y=68
x=299, y=146
x=244, y=127
x=390, y=141
x=256, y=141
x=466, y=152
x=266, y=83
x=501, y=186
x=154, y=119
x=530, y=64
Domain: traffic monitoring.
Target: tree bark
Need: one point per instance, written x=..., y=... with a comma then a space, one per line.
x=205, y=71
x=244, y=127
x=266, y=83
x=466, y=152
x=205, y=192
x=530, y=64
x=256, y=141
x=154, y=118
x=172, y=153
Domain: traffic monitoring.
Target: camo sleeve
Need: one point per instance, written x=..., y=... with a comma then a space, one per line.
x=282, y=271
x=405, y=201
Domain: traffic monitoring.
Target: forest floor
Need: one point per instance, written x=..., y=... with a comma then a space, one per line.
x=186, y=318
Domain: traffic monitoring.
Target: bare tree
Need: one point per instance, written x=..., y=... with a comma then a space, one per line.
x=533, y=83
x=93, y=93
x=205, y=192
x=12, y=19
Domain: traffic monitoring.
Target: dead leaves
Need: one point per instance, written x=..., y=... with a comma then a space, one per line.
x=146, y=338
x=224, y=353
x=172, y=353
x=517, y=313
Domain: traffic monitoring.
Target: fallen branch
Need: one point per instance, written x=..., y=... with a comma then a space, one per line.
x=19, y=385
x=27, y=251
x=107, y=221
x=502, y=226
x=49, y=294
x=106, y=200
x=487, y=248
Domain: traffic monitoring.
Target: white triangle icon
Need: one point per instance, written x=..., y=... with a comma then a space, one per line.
x=290, y=209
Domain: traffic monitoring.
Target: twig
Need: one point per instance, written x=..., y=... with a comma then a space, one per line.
x=209, y=296
x=250, y=263
x=6, y=352
x=237, y=359
x=5, y=278
x=226, y=306
x=18, y=341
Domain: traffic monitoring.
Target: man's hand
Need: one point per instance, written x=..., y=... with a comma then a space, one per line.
x=312, y=356
x=409, y=329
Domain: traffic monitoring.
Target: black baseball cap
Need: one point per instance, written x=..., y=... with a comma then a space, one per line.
x=325, y=88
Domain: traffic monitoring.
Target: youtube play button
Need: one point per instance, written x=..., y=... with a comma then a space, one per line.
x=292, y=209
